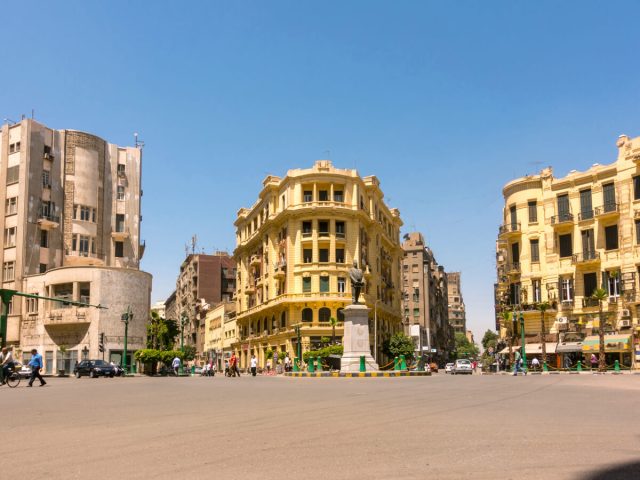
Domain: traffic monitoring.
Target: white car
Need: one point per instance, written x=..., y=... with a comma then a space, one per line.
x=448, y=368
x=461, y=366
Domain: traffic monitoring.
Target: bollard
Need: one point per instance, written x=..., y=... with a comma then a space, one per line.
x=617, y=366
x=319, y=366
x=363, y=365
x=403, y=363
x=310, y=368
x=296, y=367
x=579, y=367
x=193, y=370
x=544, y=367
x=396, y=363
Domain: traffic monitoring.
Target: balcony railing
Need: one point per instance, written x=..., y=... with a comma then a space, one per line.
x=49, y=216
x=585, y=257
x=512, y=227
x=513, y=267
x=588, y=302
x=607, y=209
x=585, y=215
x=562, y=218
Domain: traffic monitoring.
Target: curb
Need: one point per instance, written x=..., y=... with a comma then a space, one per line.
x=356, y=374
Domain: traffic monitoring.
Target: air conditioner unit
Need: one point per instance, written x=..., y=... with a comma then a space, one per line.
x=563, y=321
x=625, y=313
x=624, y=323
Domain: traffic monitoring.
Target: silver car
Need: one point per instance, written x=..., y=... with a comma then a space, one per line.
x=462, y=365
x=448, y=368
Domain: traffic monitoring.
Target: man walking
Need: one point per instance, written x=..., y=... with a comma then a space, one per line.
x=36, y=364
x=233, y=365
x=516, y=363
x=254, y=365
x=175, y=365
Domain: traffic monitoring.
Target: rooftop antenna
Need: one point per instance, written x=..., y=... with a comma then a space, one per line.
x=194, y=243
x=138, y=143
x=328, y=154
x=33, y=114
x=9, y=121
x=186, y=250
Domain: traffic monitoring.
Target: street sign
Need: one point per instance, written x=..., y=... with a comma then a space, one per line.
x=434, y=350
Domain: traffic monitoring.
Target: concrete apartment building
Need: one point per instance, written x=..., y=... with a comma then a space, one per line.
x=203, y=282
x=425, y=299
x=560, y=239
x=220, y=333
x=294, y=248
x=71, y=224
x=457, y=310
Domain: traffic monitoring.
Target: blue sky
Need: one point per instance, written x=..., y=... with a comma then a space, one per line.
x=466, y=95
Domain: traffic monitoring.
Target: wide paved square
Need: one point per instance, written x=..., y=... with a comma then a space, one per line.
x=440, y=427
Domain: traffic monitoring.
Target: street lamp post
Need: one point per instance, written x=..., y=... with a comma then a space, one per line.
x=183, y=321
x=524, y=350
x=299, y=345
x=126, y=318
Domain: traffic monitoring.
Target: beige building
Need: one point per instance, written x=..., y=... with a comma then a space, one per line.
x=71, y=223
x=294, y=248
x=457, y=309
x=221, y=332
x=561, y=238
x=424, y=285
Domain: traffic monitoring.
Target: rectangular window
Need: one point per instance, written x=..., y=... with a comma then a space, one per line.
x=611, y=237
x=566, y=245
x=306, y=229
x=566, y=290
x=11, y=206
x=46, y=179
x=83, y=245
x=32, y=305
x=13, y=174
x=85, y=213
x=323, y=196
x=323, y=255
x=119, y=222
x=515, y=253
x=121, y=170
x=514, y=293
x=613, y=284
x=8, y=271
x=323, y=228
x=120, y=192
x=533, y=211
x=307, y=254
x=586, y=207
x=307, y=196
x=513, y=214
x=638, y=232
x=636, y=188
x=44, y=238
x=340, y=230
x=119, y=249
x=590, y=283
x=339, y=255
x=416, y=312
x=306, y=284
x=609, y=197
x=535, y=250
x=342, y=282
x=563, y=208
x=338, y=196
x=10, y=237
x=537, y=290
x=324, y=284
x=416, y=294
x=43, y=267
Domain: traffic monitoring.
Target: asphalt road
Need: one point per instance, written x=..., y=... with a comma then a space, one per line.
x=439, y=427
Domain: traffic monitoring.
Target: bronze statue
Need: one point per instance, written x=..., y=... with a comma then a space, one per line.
x=357, y=282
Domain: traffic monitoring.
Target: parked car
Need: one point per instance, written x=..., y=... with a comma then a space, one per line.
x=23, y=370
x=94, y=368
x=448, y=368
x=461, y=366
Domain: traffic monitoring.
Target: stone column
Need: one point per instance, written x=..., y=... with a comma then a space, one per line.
x=356, y=339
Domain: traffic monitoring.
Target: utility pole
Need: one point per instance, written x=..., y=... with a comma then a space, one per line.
x=524, y=351
x=126, y=317
x=183, y=322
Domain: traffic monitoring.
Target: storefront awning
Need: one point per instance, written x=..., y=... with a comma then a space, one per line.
x=612, y=343
x=532, y=348
x=569, y=347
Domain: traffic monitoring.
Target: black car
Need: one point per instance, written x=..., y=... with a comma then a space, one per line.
x=94, y=368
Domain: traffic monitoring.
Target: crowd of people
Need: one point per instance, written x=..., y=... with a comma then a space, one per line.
x=273, y=366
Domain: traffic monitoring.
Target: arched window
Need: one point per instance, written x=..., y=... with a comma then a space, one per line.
x=264, y=323
x=340, y=314
x=307, y=315
x=324, y=314
x=283, y=320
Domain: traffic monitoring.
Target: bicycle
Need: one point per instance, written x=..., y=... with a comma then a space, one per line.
x=12, y=379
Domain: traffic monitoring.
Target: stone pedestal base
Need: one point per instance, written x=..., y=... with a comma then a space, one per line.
x=356, y=340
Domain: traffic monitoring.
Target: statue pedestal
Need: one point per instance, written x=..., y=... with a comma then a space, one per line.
x=356, y=339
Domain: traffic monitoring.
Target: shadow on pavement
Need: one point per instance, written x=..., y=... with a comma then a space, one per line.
x=617, y=472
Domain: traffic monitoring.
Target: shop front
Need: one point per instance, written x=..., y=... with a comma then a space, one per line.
x=616, y=347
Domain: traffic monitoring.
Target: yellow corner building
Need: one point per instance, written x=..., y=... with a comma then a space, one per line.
x=294, y=248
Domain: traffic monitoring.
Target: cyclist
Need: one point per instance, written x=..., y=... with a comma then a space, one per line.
x=7, y=363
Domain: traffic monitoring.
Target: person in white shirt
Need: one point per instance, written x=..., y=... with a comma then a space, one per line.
x=254, y=365
x=287, y=363
x=6, y=363
x=535, y=363
x=175, y=365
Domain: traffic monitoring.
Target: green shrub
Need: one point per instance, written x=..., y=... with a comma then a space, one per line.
x=323, y=352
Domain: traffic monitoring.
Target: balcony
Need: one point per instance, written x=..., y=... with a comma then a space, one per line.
x=67, y=316
x=280, y=270
x=79, y=257
x=564, y=219
x=256, y=260
x=585, y=258
x=566, y=305
x=585, y=215
x=250, y=288
x=610, y=210
x=513, y=268
x=589, y=302
x=509, y=229
x=48, y=221
x=120, y=233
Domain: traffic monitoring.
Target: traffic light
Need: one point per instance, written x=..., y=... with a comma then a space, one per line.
x=101, y=348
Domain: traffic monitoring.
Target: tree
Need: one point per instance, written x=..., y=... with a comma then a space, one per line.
x=508, y=325
x=543, y=307
x=600, y=294
x=399, y=344
x=161, y=333
x=189, y=352
x=489, y=339
x=333, y=321
x=464, y=348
